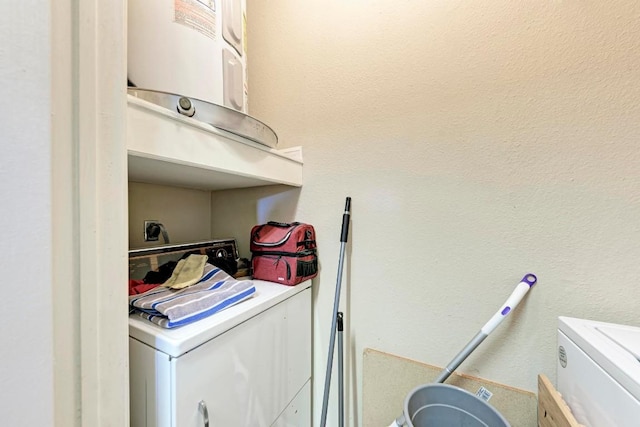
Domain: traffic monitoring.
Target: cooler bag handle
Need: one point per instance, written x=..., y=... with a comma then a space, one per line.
x=256, y=233
x=274, y=224
x=282, y=224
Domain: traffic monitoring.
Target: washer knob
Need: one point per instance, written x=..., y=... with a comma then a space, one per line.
x=221, y=253
x=185, y=107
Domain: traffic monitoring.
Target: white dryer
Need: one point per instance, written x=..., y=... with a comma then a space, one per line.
x=598, y=371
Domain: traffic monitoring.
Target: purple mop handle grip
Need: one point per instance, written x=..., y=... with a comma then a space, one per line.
x=516, y=296
x=527, y=282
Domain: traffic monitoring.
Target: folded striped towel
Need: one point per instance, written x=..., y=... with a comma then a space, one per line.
x=215, y=291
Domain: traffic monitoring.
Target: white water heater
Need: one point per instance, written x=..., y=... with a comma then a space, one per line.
x=193, y=48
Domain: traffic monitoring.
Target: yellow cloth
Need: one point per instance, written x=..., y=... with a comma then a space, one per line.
x=187, y=272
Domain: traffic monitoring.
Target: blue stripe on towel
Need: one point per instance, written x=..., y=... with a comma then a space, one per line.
x=223, y=304
x=217, y=285
x=208, y=275
x=181, y=293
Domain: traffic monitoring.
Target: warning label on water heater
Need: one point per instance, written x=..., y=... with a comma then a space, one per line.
x=199, y=15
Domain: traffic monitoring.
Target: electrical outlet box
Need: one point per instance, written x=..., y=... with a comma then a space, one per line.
x=151, y=230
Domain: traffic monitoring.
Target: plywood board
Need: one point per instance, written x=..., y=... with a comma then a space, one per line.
x=552, y=409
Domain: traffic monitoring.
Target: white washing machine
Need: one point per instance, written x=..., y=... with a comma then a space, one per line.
x=598, y=372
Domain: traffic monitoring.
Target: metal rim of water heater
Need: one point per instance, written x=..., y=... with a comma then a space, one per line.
x=218, y=116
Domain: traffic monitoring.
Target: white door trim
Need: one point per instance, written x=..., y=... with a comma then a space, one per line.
x=89, y=213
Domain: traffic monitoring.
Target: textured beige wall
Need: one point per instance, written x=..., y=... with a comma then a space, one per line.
x=234, y=212
x=185, y=213
x=479, y=141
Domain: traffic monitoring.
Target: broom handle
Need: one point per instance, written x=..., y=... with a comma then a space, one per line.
x=336, y=302
x=340, y=372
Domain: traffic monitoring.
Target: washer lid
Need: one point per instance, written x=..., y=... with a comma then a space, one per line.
x=218, y=116
x=616, y=348
x=627, y=338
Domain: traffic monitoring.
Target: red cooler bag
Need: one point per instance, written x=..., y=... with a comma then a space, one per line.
x=284, y=253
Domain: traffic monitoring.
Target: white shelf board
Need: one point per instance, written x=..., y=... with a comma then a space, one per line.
x=165, y=147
